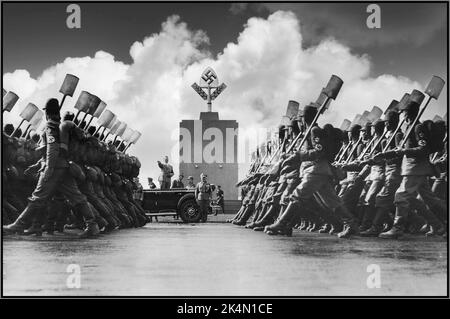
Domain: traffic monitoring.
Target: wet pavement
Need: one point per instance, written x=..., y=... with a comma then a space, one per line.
x=168, y=258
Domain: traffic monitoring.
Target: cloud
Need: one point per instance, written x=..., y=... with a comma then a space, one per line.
x=264, y=68
x=238, y=8
x=411, y=23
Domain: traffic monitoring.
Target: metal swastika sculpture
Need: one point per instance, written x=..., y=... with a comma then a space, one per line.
x=208, y=87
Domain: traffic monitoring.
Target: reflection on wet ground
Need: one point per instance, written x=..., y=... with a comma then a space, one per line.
x=222, y=259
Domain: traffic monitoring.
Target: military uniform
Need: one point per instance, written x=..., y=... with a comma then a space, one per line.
x=384, y=200
x=202, y=195
x=415, y=170
x=166, y=175
x=177, y=184
x=55, y=176
x=374, y=182
x=316, y=179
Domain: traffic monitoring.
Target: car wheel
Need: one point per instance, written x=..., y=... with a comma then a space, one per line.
x=189, y=212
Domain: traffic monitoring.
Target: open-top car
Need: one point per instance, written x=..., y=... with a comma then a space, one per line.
x=172, y=202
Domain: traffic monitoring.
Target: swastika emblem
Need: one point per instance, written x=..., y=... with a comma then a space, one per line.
x=208, y=87
x=209, y=77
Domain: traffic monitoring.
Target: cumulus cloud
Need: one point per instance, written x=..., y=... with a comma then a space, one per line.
x=264, y=68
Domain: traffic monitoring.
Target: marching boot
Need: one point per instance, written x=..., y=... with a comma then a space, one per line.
x=350, y=226
x=436, y=227
x=102, y=223
x=373, y=231
x=91, y=229
x=245, y=216
x=238, y=214
x=76, y=222
x=21, y=222
x=369, y=213
x=36, y=226
x=74, y=226
x=268, y=217
x=49, y=227
x=251, y=225
x=283, y=224
x=349, y=230
x=396, y=231
x=415, y=223
x=439, y=231
x=256, y=217
x=377, y=225
x=35, y=229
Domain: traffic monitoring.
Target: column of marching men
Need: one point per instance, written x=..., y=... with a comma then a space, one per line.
x=70, y=176
x=382, y=175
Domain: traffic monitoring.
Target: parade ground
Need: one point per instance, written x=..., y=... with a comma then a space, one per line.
x=219, y=259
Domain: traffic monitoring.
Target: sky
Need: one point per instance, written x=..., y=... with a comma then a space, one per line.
x=142, y=58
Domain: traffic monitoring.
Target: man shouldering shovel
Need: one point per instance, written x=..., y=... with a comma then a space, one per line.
x=414, y=149
x=54, y=176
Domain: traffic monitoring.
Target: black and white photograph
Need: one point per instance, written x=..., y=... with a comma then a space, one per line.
x=206, y=151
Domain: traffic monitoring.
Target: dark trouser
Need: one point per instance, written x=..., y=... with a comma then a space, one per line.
x=222, y=205
x=203, y=206
x=368, y=202
x=384, y=201
x=320, y=185
x=101, y=207
x=406, y=198
x=164, y=184
x=58, y=212
x=60, y=181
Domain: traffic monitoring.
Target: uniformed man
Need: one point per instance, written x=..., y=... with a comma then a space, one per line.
x=190, y=184
x=166, y=173
x=178, y=183
x=202, y=195
x=384, y=200
x=416, y=169
x=316, y=180
x=374, y=181
x=55, y=176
